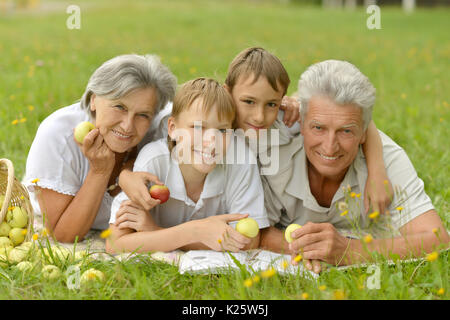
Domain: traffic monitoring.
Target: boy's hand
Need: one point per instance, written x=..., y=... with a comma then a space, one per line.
x=291, y=109
x=134, y=184
x=378, y=194
x=219, y=236
x=132, y=216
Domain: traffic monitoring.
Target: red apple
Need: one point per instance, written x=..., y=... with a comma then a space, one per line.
x=160, y=192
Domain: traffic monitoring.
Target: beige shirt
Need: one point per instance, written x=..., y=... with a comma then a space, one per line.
x=288, y=198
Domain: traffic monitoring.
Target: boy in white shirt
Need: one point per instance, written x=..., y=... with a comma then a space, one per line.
x=204, y=194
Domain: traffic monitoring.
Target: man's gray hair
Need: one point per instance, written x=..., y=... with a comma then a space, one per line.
x=340, y=81
x=120, y=75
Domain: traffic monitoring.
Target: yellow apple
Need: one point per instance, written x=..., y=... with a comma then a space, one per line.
x=4, y=229
x=82, y=129
x=92, y=275
x=17, y=255
x=17, y=236
x=51, y=272
x=289, y=229
x=60, y=254
x=5, y=242
x=24, y=266
x=248, y=227
x=3, y=260
x=19, y=218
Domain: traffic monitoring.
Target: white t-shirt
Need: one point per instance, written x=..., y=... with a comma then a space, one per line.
x=59, y=164
x=228, y=188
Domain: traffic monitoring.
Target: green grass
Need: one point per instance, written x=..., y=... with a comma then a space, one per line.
x=47, y=66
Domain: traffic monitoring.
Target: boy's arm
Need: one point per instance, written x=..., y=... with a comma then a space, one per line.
x=378, y=190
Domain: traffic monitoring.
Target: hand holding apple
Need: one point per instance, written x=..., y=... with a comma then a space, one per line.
x=160, y=192
x=289, y=229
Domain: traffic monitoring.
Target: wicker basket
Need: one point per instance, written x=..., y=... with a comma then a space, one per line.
x=15, y=195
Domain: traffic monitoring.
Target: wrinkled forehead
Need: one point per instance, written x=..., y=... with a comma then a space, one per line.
x=323, y=110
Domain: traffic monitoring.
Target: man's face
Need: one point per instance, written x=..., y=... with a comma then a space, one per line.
x=332, y=135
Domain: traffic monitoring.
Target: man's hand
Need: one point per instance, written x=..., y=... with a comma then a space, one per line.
x=319, y=241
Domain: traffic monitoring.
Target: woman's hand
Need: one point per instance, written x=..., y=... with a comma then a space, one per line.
x=218, y=235
x=378, y=193
x=132, y=216
x=291, y=109
x=134, y=184
x=101, y=158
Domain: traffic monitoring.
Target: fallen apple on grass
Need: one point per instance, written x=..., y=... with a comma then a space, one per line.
x=160, y=192
x=92, y=275
x=288, y=231
x=51, y=272
x=17, y=255
x=82, y=129
x=248, y=227
x=24, y=266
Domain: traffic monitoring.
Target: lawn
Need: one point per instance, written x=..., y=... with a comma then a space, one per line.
x=45, y=66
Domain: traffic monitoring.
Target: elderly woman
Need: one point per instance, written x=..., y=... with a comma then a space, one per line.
x=74, y=183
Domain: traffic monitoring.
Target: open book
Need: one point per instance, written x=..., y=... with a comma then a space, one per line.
x=208, y=261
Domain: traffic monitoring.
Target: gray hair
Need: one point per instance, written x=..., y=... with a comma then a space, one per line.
x=342, y=82
x=120, y=75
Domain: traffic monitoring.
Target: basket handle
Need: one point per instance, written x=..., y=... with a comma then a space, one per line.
x=10, y=167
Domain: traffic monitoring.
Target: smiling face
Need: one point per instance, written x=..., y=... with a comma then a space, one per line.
x=332, y=135
x=124, y=122
x=257, y=103
x=198, y=134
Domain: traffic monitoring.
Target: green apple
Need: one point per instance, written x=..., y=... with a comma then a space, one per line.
x=289, y=229
x=17, y=255
x=51, y=272
x=82, y=129
x=5, y=228
x=17, y=235
x=60, y=254
x=19, y=218
x=5, y=242
x=27, y=245
x=248, y=227
x=92, y=275
x=6, y=250
x=24, y=266
x=80, y=255
x=3, y=260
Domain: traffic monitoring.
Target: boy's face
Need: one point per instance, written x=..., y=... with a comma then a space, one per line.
x=201, y=139
x=257, y=103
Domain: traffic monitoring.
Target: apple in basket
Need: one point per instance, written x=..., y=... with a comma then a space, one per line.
x=19, y=218
x=160, y=192
x=82, y=129
x=17, y=235
x=5, y=228
x=248, y=227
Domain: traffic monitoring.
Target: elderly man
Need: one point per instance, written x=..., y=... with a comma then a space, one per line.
x=322, y=174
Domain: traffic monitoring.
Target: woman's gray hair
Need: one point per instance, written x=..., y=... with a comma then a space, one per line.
x=120, y=75
x=342, y=82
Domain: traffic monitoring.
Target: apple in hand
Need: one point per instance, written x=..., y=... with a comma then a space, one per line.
x=82, y=129
x=289, y=229
x=248, y=227
x=160, y=192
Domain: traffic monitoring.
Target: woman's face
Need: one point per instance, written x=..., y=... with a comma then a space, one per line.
x=124, y=122
x=257, y=103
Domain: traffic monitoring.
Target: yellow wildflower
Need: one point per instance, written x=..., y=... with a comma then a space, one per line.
x=22, y=197
x=368, y=238
x=248, y=283
x=339, y=294
x=305, y=295
x=358, y=195
x=385, y=182
x=284, y=264
x=435, y=230
x=344, y=213
x=353, y=194
x=374, y=215
x=268, y=273
x=44, y=232
x=403, y=95
x=22, y=120
x=322, y=287
x=14, y=122
x=441, y=291
x=35, y=236
x=24, y=231
x=256, y=279
x=432, y=256
x=399, y=209
x=219, y=240
x=298, y=258
x=35, y=180
x=30, y=107
x=105, y=233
